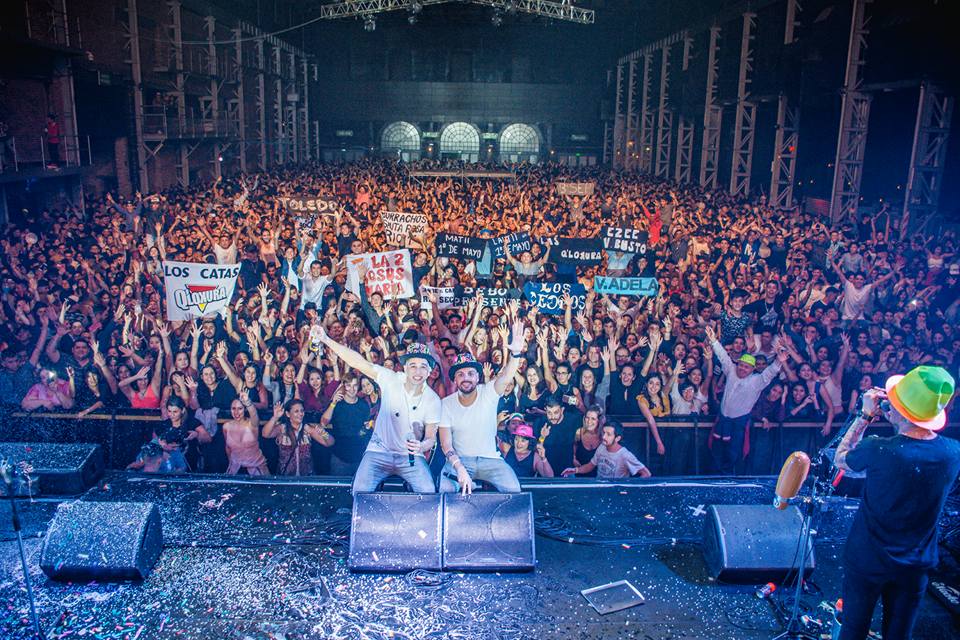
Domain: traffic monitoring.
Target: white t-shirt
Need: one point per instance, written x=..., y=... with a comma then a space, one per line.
x=225, y=256
x=313, y=290
x=401, y=413
x=474, y=428
x=854, y=301
x=621, y=464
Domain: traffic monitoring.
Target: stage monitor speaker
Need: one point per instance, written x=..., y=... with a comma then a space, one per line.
x=753, y=543
x=103, y=541
x=488, y=532
x=59, y=469
x=395, y=532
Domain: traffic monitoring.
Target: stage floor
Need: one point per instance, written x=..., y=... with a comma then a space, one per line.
x=266, y=559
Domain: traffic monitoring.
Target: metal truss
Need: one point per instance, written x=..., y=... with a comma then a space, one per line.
x=741, y=164
x=790, y=28
x=619, y=119
x=785, y=154
x=607, y=142
x=133, y=43
x=240, y=113
x=645, y=142
x=664, y=119
x=930, y=137
x=684, y=150
x=563, y=10
x=632, y=119
x=854, y=118
x=712, y=118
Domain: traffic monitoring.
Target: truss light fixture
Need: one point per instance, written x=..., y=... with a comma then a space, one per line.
x=497, y=18
x=369, y=24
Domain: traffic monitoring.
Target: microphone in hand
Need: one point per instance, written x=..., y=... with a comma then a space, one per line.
x=792, y=476
x=411, y=439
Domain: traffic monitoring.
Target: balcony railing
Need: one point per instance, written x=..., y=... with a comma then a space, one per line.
x=29, y=153
x=162, y=123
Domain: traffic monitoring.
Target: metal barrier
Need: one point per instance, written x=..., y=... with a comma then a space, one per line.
x=18, y=153
x=123, y=432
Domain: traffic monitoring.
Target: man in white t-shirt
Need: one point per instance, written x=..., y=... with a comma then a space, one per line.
x=611, y=460
x=856, y=293
x=468, y=424
x=406, y=425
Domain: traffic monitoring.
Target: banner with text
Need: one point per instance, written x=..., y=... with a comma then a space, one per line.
x=575, y=188
x=402, y=228
x=451, y=245
x=492, y=296
x=446, y=296
x=638, y=287
x=548, y=296
x=196, y=290
x=389, y=273
x=625, y=240
x=519, y=242
x=310, y=205
x=578, y=250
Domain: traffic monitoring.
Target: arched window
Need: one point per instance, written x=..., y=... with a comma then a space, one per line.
x=461, y=139
x=518, y=143
x=400, y=136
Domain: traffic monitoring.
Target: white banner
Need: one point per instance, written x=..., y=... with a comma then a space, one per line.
x=575, y=188
x=196, y=290
x=446, y=296
x=389, y=273
x=401, y=228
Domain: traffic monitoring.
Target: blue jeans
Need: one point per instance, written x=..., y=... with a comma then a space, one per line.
x=376, y=466
x=496, y=471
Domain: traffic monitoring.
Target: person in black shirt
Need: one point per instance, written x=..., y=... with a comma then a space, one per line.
x=893, y=540
x=556, y=432
x=348, y=418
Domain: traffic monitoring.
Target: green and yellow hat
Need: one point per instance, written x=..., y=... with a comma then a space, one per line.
x=921, y=396
x=748, y=359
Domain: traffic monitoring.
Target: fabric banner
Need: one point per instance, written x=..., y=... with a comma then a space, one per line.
x=519, y=242
x=626, y=286
x=575, y=188
x=317, y=205
x=196, y=290
x=492, y=296
x=402, y=228
x=548, y=296
x=389, y=273
x=446, y=296
x=450, y=245
x=578, y=250
x=625, y=240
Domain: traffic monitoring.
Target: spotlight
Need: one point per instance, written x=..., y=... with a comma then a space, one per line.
x=497, y=18
x=369, y=24
x=412, y=18
x=415, y=7
x=512, y=7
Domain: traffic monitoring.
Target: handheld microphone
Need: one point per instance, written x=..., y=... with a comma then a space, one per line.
x=410, y=438
x=5, y=472
x=792, y=476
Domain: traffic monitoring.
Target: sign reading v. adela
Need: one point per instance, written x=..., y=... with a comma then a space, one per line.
x=625, y=286
x=198, y=289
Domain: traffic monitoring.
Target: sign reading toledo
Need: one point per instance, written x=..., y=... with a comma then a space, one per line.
x=198, y=289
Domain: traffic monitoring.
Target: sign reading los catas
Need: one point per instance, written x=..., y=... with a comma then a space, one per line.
x=198, y=289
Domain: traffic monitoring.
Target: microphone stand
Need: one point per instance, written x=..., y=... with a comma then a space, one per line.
x=15, y=517
x=795, y=628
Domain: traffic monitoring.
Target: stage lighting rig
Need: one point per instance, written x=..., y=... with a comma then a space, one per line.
x=369, y=24
x=564, y=10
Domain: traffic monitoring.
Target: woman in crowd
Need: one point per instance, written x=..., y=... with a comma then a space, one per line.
x=293, y=437
x=241, y=438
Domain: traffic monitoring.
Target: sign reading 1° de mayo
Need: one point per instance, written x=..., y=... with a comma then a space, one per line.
x=198, y=289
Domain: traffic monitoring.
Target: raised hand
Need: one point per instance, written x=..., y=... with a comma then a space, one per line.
x=277, y=411
x=711, y=334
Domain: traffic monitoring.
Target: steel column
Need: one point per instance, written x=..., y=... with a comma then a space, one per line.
x=741, y=164
x=262, y=104
x=632, y=120
x=712, y=118
x=619, y=120
x=930, y=136
x=684, y=150
x=784, y=154
x=213, y=69
x=664, y=118
x=646, y=118
x=133, y=28
x=239, y=96
x=854, y=118
x=790, y=27
x=176, y=39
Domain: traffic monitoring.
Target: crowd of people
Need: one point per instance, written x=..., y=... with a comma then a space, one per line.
x=760, y=316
